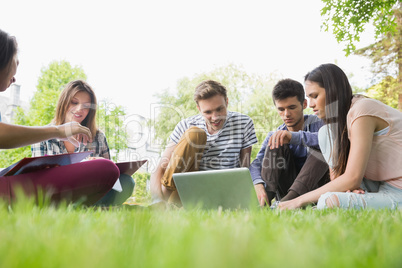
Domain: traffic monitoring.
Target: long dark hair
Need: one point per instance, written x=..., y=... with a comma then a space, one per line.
x=338, y=98
x=8, y=49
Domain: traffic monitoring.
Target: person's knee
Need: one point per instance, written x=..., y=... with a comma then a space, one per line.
x=328, y=200
x=332, y=201
x=116, y=198
x=127, y=183
x=104, y=169
x=277, y=156
x=342, y=200
x=196, y=136
x=106, y=165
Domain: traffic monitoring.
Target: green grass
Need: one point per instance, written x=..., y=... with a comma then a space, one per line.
x=44, y=236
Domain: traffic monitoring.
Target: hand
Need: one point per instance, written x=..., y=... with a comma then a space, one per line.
x=279, y=138
x=291, y=204
x=75, y=133
x=261, y=195
x=357, y=191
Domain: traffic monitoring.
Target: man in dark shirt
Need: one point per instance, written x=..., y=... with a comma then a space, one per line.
x=278, y=170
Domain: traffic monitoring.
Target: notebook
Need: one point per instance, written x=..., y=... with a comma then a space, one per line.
x=128, y=168
x=212, y=189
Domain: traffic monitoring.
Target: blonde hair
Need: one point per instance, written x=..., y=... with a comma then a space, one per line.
x=64, y=101
x=207, y=89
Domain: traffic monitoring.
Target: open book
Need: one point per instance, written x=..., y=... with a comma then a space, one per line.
x=128, y=168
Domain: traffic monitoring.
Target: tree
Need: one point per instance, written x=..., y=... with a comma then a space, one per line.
x=348, y=19
x=110, y=119
x=141, y=193
x=51, y=82
x=260, y=107
x=385, y=91
x=248, y=94
x=43, y=105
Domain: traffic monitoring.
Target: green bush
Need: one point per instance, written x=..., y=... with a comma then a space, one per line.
x=141, y=193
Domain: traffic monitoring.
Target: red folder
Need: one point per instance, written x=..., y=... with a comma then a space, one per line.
x=30, y=164
x=130, y=167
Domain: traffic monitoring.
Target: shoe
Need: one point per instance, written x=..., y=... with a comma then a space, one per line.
x=274, y=205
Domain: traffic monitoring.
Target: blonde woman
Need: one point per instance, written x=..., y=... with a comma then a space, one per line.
x=86, y=181
x=77, y=103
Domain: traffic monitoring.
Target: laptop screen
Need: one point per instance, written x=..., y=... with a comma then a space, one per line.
x=225, y=188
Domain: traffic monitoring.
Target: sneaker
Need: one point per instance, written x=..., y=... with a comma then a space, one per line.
x=274, y=205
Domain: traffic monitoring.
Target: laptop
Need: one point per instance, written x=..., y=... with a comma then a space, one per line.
x=214, y=189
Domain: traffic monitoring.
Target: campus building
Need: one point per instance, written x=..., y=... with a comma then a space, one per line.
x=9, y=104
x=140, y=143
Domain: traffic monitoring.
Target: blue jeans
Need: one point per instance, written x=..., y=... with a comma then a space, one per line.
x=115, y=198
x=387, y=196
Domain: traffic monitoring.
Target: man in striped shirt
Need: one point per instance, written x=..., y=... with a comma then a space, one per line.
x=214, y=139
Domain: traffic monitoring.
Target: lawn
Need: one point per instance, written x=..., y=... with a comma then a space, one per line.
x=67, y=236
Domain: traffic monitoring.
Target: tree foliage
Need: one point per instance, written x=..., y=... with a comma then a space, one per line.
x=42, y=109
x=43, y=104
x=248, y=94
x=51, y=82
x=385, y=91
x=110, y=119
x=384, y=56
x=141, y=193
x=348, y=19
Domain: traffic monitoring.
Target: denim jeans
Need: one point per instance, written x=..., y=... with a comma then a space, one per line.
x=387, y=196
x=115, y=198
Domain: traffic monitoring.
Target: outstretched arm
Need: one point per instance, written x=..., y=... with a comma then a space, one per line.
x=281, y=137
x=13, y=136
x=360, y=147
x=255, y=171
